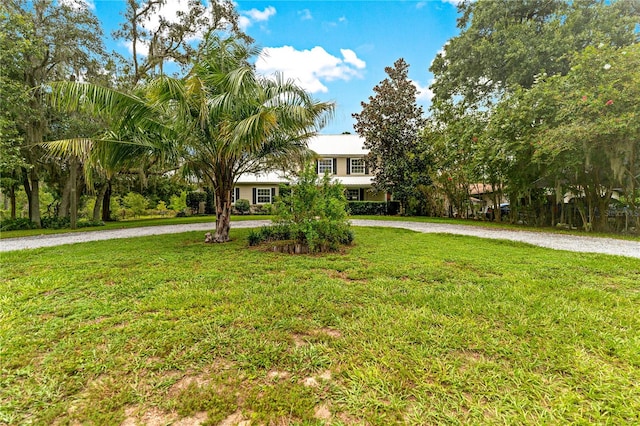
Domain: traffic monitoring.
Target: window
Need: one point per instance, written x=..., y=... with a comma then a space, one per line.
x=353, y=194
x=235, y=195
x=325, y=165
x=357, y=166
x=263, y=195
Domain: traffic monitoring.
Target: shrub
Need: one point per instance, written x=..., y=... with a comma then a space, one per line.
x=242, y=206
x=263, y=209
x=373, y=207
x=17, y=224
x=194, y=199
x=55, y=222
x=89, y=223
x=178, y=203
x=136, y=203
x=311, y=213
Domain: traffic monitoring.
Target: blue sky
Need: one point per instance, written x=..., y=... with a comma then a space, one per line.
x=337, y=50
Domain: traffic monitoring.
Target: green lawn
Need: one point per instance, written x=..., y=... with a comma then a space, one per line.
x=402, y=328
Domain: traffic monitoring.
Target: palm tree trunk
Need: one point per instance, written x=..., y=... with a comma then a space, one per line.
x=223, y=214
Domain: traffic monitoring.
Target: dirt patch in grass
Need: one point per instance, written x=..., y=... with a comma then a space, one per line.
x=273, y=374
x=342, y=275
x=235, y=419
x=181, y=385
x=301, y=339
x=315, y=381
x=328, y=331
x=155, y=417
x=322, y=412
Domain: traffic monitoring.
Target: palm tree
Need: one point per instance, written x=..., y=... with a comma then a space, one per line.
x=220, y=121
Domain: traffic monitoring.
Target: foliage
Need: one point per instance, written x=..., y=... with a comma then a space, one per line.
x=17, y=224
x=313, y=213
x=404, y=328
x=505, y=44
x=390, y=124
x=373, y=207
x=170, y=40
x=505, y=111
x=48, y=222
x=161, y=208
x=579, y=132
x=48, y=41
x=218, y=122
x=135, y=202
x=242, y=206
x=178, y=203
x=193, y=200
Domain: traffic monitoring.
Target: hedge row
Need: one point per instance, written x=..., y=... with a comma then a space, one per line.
x=356, y=208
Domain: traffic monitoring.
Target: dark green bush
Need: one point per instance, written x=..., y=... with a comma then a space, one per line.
x=18, y=224
x=47, y=223
x=89, y=223
x=55, y=222
x=194, y=199
x=269, y=233
x=209, y=202
x=373, y=207
x=242, y=206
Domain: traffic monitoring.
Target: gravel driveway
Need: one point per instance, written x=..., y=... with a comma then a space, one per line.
x=543, y=239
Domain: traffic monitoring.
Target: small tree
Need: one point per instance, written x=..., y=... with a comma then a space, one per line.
x=178, y=203
x=136, y=203
x=390, y=124
x=314, y=212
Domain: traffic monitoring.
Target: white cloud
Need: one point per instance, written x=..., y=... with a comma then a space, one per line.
x=249, y=17
x=305, y=14
x=142, y=49
x=350, y=57
x=311, y=68
x=453, y=2
x=78, y=4
x=424, y=93
x=421, y=4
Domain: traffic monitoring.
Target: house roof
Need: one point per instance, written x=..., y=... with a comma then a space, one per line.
x=263, y=178
x=338, y=145
x=278, y=178
x=481, y=188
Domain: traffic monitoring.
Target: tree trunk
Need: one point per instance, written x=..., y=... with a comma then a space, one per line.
x=34, y=198
x=223, y=214
x=97, y=207
x=12, y=199
x=106, y=203
x=63, y=209
x=73, y=195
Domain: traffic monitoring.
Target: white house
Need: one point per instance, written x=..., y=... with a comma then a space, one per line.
x=343, y=156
